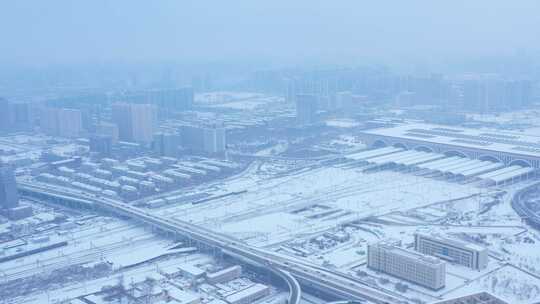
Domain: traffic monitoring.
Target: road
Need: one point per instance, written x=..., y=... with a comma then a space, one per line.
x=519, y=204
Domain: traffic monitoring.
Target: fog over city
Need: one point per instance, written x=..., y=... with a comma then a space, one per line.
x=287, y=32
x=270, y=152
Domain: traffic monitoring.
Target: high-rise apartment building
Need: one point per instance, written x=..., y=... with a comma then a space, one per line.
x=69, y=122
x=61, y=122
x=121, y=116
x=4, y=115
x=192, y=138
x=108, y=129
x=173, y=99
x=136, y=122
x=343, y=100
x=101, y=144
x=462, y=253
x=144, y=122
x=408, y=265
x=428, y=90
x=9, y=197
x=487, y=93
x=208, y=139
x=166, y=144
x=48, y=121
x=306, y=109
x=22, y=113
x=214, y=139
x=16, y=116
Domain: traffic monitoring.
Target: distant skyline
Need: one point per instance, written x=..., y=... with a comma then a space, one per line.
x=49, y=33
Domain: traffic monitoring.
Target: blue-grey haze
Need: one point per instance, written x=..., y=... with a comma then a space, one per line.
x=63, y=32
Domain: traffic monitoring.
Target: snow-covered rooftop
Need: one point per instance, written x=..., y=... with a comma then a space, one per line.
x=492, y=140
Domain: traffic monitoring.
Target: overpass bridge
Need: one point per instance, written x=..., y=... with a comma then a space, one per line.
x=293, y=271
x=519, y=205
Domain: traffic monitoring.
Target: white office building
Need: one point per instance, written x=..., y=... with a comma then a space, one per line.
x=454, y=251
x=408, y=265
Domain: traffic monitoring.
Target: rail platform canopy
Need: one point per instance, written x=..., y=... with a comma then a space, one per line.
x=373, y=153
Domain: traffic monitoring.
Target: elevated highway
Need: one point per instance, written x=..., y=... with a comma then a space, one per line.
x=519, y=205
x=293, y=271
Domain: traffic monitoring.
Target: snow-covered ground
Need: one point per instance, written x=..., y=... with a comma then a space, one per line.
x=99, y=239
x=506, y=282
x=266, y=209
x=274, y=150
x=244, y=101
x=523, y=117
x=342, y=123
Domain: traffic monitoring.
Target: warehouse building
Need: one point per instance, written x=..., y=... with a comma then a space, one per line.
x=248, y=295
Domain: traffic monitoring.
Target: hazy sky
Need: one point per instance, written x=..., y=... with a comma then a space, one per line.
x=130, y=31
